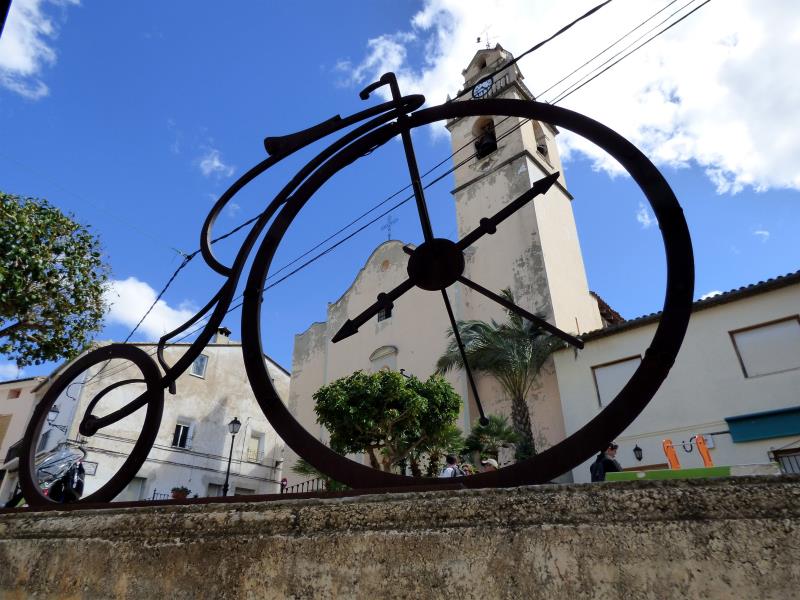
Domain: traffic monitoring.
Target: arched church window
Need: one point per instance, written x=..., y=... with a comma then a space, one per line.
x=485, y=139
x=384, y=358
x=541, y=139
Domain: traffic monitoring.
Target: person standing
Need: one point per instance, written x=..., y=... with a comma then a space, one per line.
x=451, y=468
x=606, y=462
x=488, y=465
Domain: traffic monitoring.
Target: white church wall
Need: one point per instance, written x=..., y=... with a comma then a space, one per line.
x=705, y=385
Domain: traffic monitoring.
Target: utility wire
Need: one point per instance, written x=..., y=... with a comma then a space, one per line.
x=575, y=89
x=540, y=44
x=606, y=49
x=398, y=205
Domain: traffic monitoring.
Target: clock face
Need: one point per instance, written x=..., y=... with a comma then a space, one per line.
x=482, y=88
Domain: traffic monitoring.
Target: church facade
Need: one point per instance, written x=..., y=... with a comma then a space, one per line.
x=537, y=255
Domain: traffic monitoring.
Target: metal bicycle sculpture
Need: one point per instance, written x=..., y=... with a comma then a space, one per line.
x=434, y=265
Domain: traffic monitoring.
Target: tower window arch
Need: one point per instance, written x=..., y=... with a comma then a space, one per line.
x=541, y=138
x=485, y=138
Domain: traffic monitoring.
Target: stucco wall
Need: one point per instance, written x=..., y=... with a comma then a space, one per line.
x=19, y=410
x=706, y=384
x=716, y=539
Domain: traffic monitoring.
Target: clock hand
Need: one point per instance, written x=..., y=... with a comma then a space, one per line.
x=384, y=301
x=541, y=323
x=490, y=225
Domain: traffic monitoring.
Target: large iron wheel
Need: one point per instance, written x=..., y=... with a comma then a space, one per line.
x=91, y=417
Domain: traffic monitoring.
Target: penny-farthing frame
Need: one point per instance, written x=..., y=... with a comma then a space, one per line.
x=581, y=445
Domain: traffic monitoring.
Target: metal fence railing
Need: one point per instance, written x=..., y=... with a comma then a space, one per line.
x=319, y=484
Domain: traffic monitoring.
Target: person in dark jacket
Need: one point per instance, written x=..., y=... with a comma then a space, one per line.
x=606, y=462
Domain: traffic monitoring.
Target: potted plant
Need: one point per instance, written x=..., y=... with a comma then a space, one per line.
x=180, y=493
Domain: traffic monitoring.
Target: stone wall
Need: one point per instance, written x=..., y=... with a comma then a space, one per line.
x=727, y=538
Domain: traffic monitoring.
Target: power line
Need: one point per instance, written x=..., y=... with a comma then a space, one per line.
x=398, y=205
x=606, y=49
x=575, y=89
x=98, y=206
x=540, y=44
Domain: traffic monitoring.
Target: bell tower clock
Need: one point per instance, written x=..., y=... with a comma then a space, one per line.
x=537, y=255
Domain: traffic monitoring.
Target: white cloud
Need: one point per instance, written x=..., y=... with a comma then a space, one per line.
x=211, y=164
x=26, y=47
x=9, y=371
x=710, y=294
x=232, y=209
x=645, y=217
x=762, y=234
x=719, y=90
x=130, y=298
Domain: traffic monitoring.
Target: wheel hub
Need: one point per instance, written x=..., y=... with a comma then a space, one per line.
x=435, y=265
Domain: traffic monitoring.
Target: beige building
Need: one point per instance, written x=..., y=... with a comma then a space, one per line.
x=17, y=401
x=735, y=381
x=742, y=350
x=193, y=442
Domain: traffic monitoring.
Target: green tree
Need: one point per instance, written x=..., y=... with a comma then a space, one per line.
x=512, y=352
x=52, y=279
x=449, y=440
x=386, y=415
x=487, y=439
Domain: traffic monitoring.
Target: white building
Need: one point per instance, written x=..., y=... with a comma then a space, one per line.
x=537, y=255
x=193, y=443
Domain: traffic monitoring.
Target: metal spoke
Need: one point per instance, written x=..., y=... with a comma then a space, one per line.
x=416, y=183
x=384, y=301
x=462, y=350
x=570, y=339
x=490, y=225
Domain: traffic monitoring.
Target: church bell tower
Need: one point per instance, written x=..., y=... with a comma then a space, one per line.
x=536, y=253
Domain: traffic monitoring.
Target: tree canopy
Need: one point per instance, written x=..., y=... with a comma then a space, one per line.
x=385, y=414
x=52, y=279
x=513, y=352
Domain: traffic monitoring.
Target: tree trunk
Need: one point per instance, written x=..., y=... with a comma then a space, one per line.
x=521, y=417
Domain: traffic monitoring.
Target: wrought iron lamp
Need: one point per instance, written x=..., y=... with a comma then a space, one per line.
x=233, y=427
x=637, y=452
x=52, y=415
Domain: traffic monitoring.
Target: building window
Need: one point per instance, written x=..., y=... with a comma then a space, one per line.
x=385, y=313
x=384, y=358
x=485, y=139
x=214, y=490
x=768, y=348
x=255, y=447
x=14, y=393
x=541, y=139
x=611, y=377
x=43, y=441
x=240, y=491
x=5, y=421
x=182, y=437
x=789, y=460
x=199, y=366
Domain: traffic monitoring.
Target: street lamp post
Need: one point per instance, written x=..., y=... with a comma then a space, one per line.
x=233, y=427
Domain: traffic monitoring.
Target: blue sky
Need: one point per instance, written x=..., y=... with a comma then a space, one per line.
x=136, y=116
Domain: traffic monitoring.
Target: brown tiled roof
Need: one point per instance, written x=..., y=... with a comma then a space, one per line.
x=729, y=296
x=608, y=314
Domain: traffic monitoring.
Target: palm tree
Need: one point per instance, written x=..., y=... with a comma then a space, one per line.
x=487, y=439
x=512, y=352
